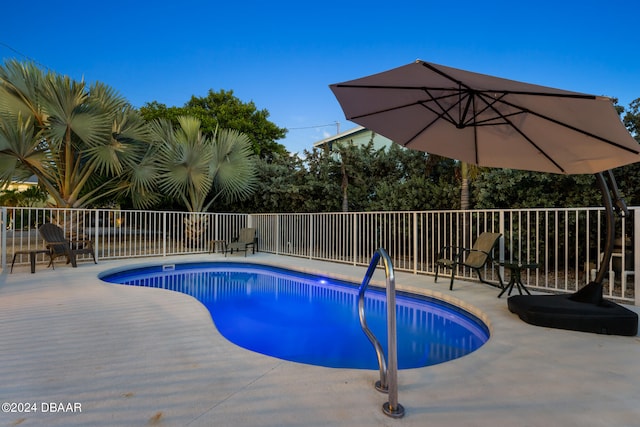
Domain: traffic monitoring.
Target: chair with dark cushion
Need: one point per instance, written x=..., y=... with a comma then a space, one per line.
x=475, y=258
x=59, y=245
x=245, y=239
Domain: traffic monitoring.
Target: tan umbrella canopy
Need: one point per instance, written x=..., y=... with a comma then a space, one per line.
x=489, y=121
x=495, y=122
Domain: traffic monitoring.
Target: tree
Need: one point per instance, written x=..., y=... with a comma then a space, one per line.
x=281, y=187
x=414, y=180
x=468, y=173
x=192, y=165
x=322, y=182
x=224, y=110
x=392, y=178
x=12, y=198
x=632, y=119
x=357, y=168
x=83, y=143
x=515, y=189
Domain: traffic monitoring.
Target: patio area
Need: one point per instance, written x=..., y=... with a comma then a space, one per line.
x=133, y=356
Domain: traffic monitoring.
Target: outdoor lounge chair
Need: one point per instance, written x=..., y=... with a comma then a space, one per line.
x=59, y=246
x=246, y=238
x=475, y=258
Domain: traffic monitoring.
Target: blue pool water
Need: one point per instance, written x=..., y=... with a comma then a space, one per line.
x=314, y=320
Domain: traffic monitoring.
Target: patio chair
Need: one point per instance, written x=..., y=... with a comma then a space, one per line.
x=245, y=239
x=59, y=246
x=475, y=258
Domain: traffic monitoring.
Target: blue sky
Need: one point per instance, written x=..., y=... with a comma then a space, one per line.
x=283, y=55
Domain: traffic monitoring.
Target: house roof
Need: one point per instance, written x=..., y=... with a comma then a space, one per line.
x=339, y=136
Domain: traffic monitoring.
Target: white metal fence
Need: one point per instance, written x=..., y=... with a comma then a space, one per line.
x=565, y=243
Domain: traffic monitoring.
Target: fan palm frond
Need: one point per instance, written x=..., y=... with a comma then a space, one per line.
x=233, y=165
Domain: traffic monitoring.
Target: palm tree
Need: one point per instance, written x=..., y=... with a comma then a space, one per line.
x=468, y=172
x=197, y=169
x=83, y=143
x=192, y=165
x=464, y=188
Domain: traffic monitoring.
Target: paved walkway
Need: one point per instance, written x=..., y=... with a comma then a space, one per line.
x=129, y=356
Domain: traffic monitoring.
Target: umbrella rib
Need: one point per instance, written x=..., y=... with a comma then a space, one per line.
x=386, y=110
x=475, y=133
x=488, y=105
x=534, y=93
x=410, y=140
x=506, y=92
x=442, y=113
x=397, y=107
x=439, y=115
x=445, y=111
x=492, y=120
x=573, y=128
x=393, y=87
x=517, y=129
x=443, y=74
x=462, y=115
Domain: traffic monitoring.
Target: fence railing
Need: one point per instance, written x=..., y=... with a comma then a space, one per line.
x=119, y=233
x=565, y=243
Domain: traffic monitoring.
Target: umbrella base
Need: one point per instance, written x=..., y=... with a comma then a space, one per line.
x=577, y=312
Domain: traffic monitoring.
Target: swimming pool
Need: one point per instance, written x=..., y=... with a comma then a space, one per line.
x=311, y=319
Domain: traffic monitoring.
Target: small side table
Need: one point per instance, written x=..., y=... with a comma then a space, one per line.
x=516, y=276
x=213, y=243
x=32, y=257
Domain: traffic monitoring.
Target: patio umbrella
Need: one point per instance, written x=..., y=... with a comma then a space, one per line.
x=489, y=121
x=495, y=122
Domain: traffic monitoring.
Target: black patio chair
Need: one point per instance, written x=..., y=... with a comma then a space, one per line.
x=60, y=246
x=245, y=239
x=475, y=258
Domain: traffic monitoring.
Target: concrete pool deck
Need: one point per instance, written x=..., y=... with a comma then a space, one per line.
x=129, y=356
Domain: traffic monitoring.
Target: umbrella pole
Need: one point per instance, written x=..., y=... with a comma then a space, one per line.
x=609, y=187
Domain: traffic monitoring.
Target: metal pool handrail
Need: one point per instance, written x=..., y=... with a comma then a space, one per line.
x=388, y=375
